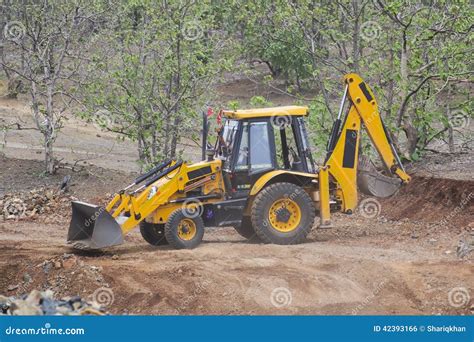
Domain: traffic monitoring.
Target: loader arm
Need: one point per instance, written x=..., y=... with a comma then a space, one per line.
x=343, y=148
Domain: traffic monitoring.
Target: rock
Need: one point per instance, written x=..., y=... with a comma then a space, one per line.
x=48, y=306
x=15, y=206
x=115, y=257
x=432, y=240
x=44, y=303
x=34, y=297
x=47, y=267
x=448, y=252
x=63, y=310
x=69, y=263
x=465, y=246
x=27, y=278
x=76, y=305
x=74, y=299
x=48, y=294
x=23, y=308
x=12, y=287
x=57, y=264
x=4, y=304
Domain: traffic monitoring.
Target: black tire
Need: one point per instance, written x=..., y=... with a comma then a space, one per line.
x=152, y=233
x=282, y=193
x=172, y=230
x=246, y=230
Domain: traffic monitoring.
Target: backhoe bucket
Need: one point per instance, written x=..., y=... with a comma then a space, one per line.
x=92, y=227
x=373, y=183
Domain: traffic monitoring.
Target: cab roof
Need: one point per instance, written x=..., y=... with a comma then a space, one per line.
x=266, y=112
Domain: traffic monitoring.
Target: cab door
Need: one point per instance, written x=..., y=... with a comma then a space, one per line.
x=255, y=155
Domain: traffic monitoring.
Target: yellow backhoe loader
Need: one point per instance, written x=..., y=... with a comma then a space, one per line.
x=259, y=177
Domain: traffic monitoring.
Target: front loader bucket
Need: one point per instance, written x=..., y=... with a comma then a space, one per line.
x=373, y=183
x=92, y=227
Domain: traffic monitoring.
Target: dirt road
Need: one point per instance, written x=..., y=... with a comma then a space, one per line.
x=402, y=261
x=364, y=266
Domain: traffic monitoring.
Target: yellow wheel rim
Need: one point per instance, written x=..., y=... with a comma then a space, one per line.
x=187, y=229
x=284, y=215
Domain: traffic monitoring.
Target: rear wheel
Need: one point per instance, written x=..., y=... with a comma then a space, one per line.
x=153, y=233
x=246, y=230
x=282, y=213
x=182, y=231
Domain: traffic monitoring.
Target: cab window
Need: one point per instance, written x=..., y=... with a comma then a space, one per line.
x=260, y=153
x=242, y=162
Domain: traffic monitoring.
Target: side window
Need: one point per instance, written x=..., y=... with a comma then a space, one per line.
x=260, y=154
x=243, y=154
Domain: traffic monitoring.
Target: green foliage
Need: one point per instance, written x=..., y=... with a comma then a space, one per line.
x=319, y=124
x=259, y=102
x=155, y=83
x=307, y=47
x=153, y=65
x=234, y=104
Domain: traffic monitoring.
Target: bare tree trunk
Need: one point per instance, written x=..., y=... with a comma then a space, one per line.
x=355, y=36
x=403, y=78
x=49, y=132
x=410, y=131
x=174, y=139
x=391, y=82
x=450, y=128
x=167, y=133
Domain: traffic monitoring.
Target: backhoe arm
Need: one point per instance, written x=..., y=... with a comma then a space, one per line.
x=343, y=148
x=363, y=99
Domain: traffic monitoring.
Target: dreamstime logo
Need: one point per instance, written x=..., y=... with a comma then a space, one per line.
x=369, y=298
x=280, y=121
x=103, y=296
x=192, y=208
x=281, y=297
x=14, y=30
x=192, y=30
x=459, y=119
x=103, y=119
x=370, y=208
x=370, y=30
x=94, y=217
x=458, y=297
x=197, y=291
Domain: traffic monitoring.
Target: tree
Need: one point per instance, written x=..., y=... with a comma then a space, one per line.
x=412, y=53
x=154, y=72
x=434, y=41
x=45, y=47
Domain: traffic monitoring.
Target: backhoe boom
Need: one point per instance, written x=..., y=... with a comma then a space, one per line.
x=343, y=147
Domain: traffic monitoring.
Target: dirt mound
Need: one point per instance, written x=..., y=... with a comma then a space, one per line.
x=45, y=204
x=65, y=275
x=447, y=202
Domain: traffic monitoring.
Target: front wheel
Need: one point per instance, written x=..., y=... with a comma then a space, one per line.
x=283, y=214
x=183, y=231
x=152, y=233
x=246, y=230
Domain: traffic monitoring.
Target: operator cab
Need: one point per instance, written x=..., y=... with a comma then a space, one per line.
x=254, y=142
